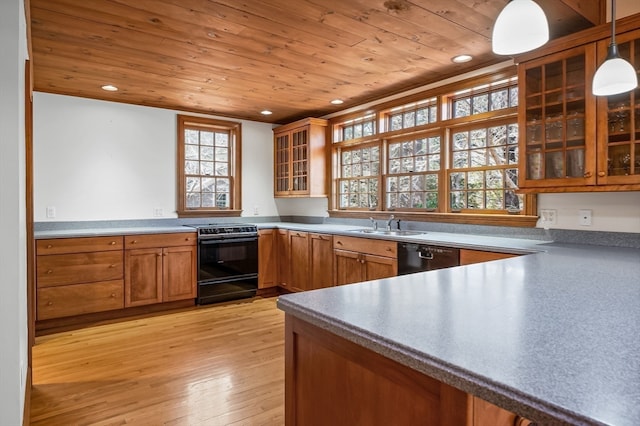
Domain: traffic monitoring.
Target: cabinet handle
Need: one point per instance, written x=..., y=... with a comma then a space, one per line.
x=112, y=243
x=389, y=249
x=50, y=271
x=49, y=246
x=588, y=174
x=159, y=254
x=339, y=243
x=602, y=174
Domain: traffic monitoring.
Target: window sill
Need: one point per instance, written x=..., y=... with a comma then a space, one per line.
x=210, y=213
x=515, y=220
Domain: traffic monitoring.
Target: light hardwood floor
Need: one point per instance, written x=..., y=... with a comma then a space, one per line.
x=214, y=365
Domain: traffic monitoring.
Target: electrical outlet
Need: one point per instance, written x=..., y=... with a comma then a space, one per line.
x=51, y=212
x=158, y=212
x=585, y=217
x=548, y=217
x=256, y=211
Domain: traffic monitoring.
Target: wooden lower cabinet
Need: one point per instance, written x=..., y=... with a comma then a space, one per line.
x=332, y=381
x=361, y=259
x=159, y=274
x=284, y=259
x=79, y=299
x=321, y=259
x=299, y=260
x=267, y=258
x=77, y=276
x=468, y=257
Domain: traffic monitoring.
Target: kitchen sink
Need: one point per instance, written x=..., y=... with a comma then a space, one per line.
x=399, y=232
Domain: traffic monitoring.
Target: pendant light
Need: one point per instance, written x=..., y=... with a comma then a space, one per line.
x=615, y=75
x=521, y=26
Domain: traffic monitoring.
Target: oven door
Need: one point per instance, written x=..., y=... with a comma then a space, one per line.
x=227, y=259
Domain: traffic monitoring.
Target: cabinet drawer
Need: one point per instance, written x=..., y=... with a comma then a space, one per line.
x=366, y=245
x=62, y=269
x=160, y=240
x=78, y=245
x=78, y=299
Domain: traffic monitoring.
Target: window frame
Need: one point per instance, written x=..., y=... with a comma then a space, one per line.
x=235, y=162
x=446, y=125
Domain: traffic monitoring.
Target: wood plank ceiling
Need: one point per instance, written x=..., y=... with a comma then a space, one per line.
x=236, y=58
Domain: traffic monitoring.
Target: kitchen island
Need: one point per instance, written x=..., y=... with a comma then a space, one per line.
x=551, y=336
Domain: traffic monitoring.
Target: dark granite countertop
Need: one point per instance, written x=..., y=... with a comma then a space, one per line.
x=553, y=336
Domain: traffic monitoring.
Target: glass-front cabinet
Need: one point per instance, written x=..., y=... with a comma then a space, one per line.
x=619, y=122
x=300, y=159
x=555, y=109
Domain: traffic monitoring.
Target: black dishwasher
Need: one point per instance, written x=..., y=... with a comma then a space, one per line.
x=414, y=257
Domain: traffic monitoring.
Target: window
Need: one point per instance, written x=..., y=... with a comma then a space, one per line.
x=483, y=174
x=208, y=166
x=490, y=97
x=413, y=174
x=358, y=186
x=429, y=163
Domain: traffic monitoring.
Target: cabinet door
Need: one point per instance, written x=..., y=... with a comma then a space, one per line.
x=282, y=163
x=321, y=255
x=619, y=122
x=267, y=265
x=378, y=267
x=179, y=273
x=347, y=267
x=143, y=277
x=299, y=251
x=284, y=260
x=467, y=257
x=300, y=161
x=556, y=109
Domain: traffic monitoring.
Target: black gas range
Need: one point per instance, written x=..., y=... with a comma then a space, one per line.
x=227, y=261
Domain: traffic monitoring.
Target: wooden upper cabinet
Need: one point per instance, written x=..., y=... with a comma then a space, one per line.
x=555, y=108
x=571, y=140
x=300, y=159
x=619, y=122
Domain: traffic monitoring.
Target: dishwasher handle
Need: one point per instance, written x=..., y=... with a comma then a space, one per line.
x=427, y=256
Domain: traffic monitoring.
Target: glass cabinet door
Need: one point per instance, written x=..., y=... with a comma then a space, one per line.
x=619, y=123
x=282, y=163
x=299, y=153
x=556, y=106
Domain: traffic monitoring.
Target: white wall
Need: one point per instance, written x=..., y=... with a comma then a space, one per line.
x=97, y=160
x=13, y=286
x=623, y=8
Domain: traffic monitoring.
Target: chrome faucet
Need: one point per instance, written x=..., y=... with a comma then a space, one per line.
x=374, y=224
x=389, y=222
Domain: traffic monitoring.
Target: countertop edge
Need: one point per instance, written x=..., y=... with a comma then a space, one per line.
x=480, y=386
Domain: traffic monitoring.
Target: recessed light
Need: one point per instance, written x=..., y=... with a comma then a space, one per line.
x=460, y=59
x=266, y=112
x=110, y=88
x=337, y=101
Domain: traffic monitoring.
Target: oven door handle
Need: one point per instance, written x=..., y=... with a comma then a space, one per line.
x=228, y=240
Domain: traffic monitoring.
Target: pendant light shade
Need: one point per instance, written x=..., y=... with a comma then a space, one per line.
x=615, y=75
x=521, y=26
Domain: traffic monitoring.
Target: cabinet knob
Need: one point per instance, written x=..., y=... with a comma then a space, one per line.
x=389, y=249
x=588, y=174
x=602, y=174
x=113, y=265
x=339, y=243
x=159, y=254
x=134, y=242
x=50, y=271
x=49, y=246
x=112, y=243
x=49, y=303
x=113, y=295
